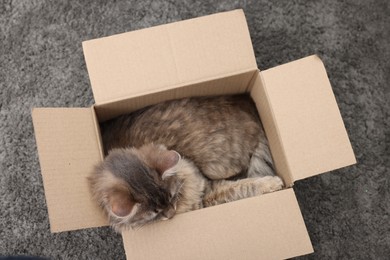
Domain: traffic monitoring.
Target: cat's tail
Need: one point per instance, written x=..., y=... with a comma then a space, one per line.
x=261, y=163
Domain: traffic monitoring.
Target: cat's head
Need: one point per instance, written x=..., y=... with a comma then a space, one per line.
x=137, y=186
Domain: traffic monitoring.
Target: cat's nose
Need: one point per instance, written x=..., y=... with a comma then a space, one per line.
x=168, y=214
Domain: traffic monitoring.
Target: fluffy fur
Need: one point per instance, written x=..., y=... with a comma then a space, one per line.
x=218, y=134
x=217, y=137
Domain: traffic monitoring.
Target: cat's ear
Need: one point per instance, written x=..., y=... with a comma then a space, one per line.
x=121, y=203
x=168, y=160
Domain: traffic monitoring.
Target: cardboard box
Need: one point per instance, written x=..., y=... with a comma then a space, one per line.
x=211, y=55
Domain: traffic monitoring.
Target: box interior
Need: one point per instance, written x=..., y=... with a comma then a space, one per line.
x=297, y=108
x=233, y=84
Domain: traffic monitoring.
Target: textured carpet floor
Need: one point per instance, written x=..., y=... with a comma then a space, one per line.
x=41, y=64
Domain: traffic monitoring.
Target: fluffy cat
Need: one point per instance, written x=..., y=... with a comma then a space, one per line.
x=176, y=156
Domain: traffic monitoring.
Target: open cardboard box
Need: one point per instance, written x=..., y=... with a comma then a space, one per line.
x=211, y=55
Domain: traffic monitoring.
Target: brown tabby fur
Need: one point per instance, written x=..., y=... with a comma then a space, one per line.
x=144, y=179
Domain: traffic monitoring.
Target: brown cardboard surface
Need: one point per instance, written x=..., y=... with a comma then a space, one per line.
x=259, y=96
x=68, y=148
x=175, y=54
x=306, y=118
x=264, y=227
x=222, y=86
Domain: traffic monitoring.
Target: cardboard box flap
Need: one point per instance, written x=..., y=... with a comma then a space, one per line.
x=263, y=227
x=307, y=119
x=176, y=54
x=68, y=148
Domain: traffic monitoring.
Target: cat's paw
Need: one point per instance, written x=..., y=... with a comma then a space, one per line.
x=270, y=183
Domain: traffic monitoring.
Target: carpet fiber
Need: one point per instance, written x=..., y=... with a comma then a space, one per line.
x=41, y=64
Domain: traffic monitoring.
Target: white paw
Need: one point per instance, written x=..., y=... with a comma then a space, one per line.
x=270, y=183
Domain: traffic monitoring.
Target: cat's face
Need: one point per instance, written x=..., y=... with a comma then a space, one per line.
x=137, y=186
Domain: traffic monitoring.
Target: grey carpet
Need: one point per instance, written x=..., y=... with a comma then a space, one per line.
x=346, y=211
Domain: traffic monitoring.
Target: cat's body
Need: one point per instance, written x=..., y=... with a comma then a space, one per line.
x=216, y=138
x=219, y=134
